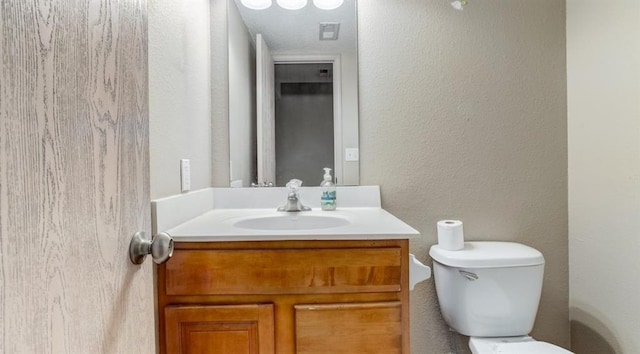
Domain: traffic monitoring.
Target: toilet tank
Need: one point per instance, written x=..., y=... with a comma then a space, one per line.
x=489, y=289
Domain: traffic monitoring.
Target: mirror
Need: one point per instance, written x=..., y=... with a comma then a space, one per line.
x=293, y=94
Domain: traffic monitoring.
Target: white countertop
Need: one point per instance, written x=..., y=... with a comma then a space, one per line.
x=364, y=224
x=209, y=215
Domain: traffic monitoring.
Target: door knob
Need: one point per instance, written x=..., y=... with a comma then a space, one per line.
x=160, y=248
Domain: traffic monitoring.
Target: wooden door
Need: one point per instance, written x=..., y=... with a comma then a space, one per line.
x=74, y=177
x=241, y=329
x=266, y=123
x=355, y=328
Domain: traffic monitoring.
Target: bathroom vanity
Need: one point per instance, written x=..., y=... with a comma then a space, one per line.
x=228, y=289
x=296, y=296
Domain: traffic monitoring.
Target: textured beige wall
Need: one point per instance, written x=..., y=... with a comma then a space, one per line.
x=179, y=100
x=603, y=75
x=463, y=115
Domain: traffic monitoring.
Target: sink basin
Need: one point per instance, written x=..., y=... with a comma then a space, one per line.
x=292, y=221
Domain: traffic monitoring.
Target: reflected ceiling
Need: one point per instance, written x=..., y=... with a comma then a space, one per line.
x=298, y=30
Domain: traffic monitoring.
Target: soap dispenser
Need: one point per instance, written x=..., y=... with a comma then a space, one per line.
x=328, y=199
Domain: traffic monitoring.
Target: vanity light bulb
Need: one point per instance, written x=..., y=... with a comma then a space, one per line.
x=292, y=4
x=328, y=4
x=257, y=4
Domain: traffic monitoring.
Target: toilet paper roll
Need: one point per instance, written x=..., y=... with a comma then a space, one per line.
x=450, y=235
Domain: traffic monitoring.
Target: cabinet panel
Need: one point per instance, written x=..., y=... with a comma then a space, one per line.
x=349, y=328
x=284, y=271
x=242, y=329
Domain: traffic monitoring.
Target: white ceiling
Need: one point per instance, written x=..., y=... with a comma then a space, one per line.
x=298, y=30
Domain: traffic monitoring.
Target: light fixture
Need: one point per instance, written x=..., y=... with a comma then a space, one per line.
x=292, y=4
x=257, y=4
x=328, y=4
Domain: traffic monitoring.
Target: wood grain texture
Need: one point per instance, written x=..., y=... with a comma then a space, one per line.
x=284, y=271
x=284, y=303
x=355, y=328
x=74, y=180
x=240, y=329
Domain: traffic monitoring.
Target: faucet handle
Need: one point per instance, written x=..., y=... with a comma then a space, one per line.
x=294, y=185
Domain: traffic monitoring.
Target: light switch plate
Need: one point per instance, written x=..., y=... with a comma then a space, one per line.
x=351, y=154
x=185, y=175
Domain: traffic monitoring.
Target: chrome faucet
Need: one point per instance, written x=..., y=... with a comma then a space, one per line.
x=293, y=202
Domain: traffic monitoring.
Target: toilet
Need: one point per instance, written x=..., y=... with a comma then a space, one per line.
x=490, y=292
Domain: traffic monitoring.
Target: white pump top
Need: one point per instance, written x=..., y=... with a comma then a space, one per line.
x=327, y=174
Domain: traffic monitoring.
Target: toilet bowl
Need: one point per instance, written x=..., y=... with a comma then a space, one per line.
x=490, y=291
x=513, y=345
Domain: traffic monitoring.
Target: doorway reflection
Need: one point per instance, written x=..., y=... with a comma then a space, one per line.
x=304, y=122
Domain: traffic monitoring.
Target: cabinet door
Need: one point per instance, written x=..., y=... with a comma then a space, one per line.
x=349, y=328
x=242, y=329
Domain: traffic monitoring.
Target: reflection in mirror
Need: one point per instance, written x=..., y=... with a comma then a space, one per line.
x=293, y=94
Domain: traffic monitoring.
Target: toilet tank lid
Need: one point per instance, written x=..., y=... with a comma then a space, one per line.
x=488, y=254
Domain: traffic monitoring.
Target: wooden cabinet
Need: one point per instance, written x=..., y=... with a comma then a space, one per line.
x=285, y=297
x=242, y=329
x=349, y=328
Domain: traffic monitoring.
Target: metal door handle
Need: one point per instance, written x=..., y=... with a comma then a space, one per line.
x=160, y=248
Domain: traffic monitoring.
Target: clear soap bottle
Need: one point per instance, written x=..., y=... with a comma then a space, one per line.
x=328, y=199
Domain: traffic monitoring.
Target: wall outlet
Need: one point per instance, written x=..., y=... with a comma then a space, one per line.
x=351, y=154
x=185, y=175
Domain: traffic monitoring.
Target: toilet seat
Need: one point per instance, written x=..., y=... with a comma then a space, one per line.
x=513, y=345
